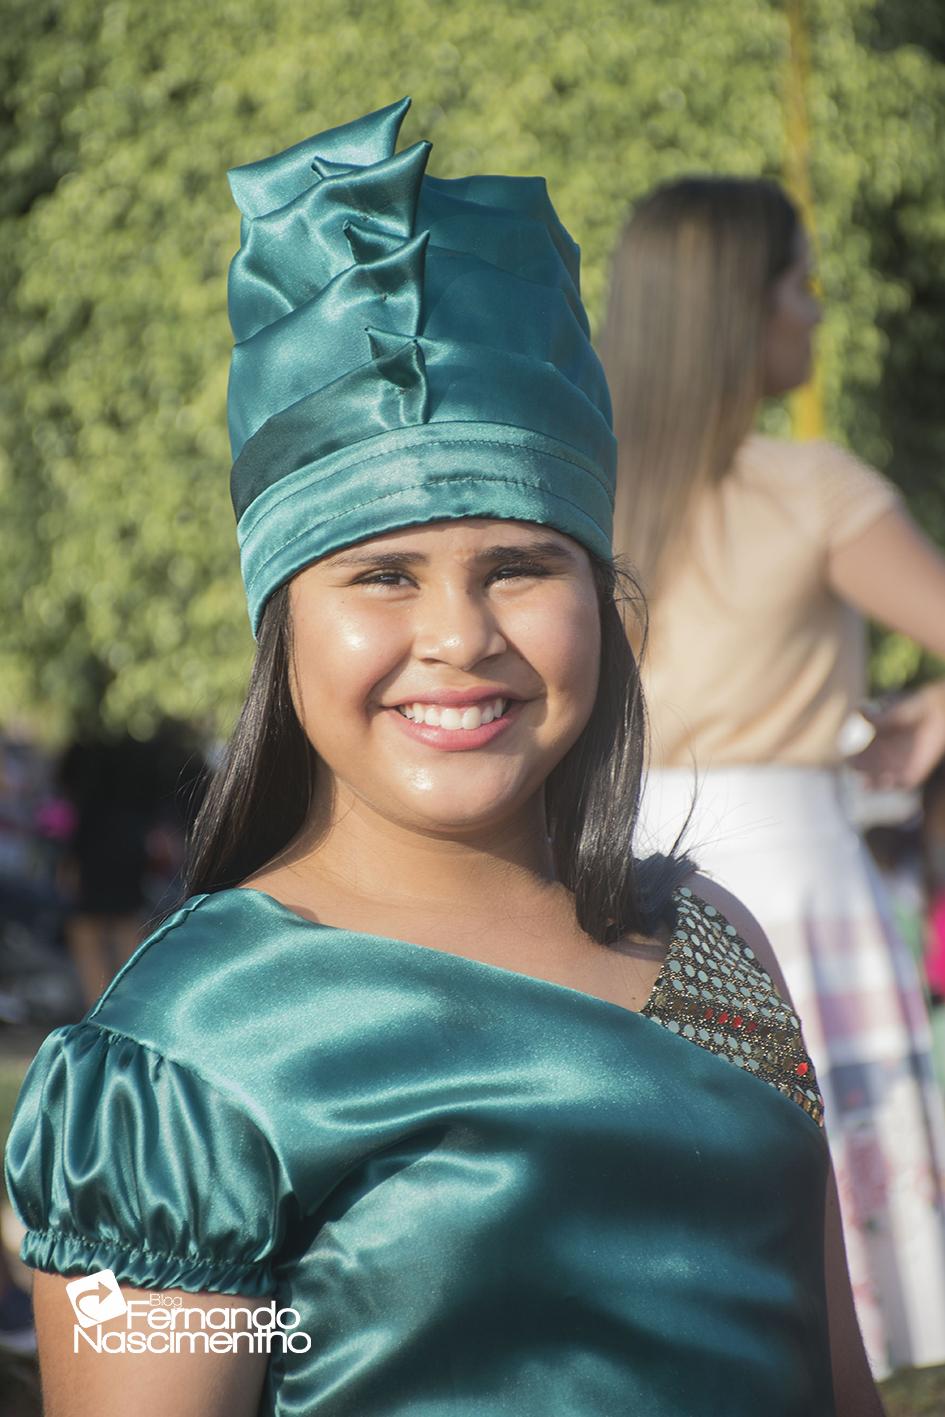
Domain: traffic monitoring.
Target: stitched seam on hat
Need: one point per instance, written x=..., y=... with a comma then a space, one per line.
x=439, y=443
x=416, y=487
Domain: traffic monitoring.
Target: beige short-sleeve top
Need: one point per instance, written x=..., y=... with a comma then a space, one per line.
x=752, y=658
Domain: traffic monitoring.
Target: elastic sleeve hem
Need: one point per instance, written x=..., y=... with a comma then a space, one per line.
x=56, y=1252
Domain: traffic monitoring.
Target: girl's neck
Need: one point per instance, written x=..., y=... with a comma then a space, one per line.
x=359, y=858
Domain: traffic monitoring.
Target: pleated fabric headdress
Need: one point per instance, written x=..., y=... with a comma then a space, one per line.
x=408, y=350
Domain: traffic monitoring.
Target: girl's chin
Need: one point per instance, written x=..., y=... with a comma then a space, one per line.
x=453, y=822
x=454, y=815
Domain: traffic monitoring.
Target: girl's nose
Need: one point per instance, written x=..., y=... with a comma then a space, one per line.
x=457, y=627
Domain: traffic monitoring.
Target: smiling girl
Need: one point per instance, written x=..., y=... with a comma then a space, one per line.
x=502, y=1120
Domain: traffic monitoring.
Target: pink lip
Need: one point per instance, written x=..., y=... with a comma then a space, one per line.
x=457, y=740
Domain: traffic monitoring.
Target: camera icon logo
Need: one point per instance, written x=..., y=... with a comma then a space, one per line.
x=96, y=1298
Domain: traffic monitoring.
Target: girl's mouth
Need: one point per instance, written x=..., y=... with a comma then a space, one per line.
x=463, y=719
x=455, y=729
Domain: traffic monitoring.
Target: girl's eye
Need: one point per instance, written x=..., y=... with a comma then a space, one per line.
x=505, y=573
x=521, y=568
x=380, y=578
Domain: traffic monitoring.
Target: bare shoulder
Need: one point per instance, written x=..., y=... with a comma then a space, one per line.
x=748, y=927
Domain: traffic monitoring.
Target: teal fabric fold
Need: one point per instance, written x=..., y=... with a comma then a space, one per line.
x=292, y=253
x=400, y=478
x=110, y=1108
x=265, y=186
x=342, y=238
x=356, y=406
x=308, y=348
x=487, y=1195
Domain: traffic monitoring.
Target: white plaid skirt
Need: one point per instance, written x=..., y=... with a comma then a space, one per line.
x=779, y=838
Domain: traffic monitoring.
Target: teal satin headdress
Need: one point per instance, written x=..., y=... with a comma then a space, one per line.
x=408, y=349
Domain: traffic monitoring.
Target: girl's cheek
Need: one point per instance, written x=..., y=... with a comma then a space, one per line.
x=562, y=639
x=358, y=633
x=359, y=651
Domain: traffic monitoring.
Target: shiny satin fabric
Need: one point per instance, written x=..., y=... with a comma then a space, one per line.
x=373, y=306
x=551, y=486
x=485, y=1193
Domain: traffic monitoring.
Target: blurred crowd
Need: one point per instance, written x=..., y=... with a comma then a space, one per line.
x=91, y=844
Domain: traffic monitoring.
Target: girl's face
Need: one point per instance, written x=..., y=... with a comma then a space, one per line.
x=403, y=644
x=787, y=351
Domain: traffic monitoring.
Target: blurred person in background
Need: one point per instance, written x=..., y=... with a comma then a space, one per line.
x=132, y=801
x=896, y=851
x=759, y=558
x=107, y=783
x=933, y=858
x=34, y=983
x=17, y=1335
x=19, y=1384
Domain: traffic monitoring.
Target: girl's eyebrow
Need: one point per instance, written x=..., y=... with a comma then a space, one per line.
x=546, y=549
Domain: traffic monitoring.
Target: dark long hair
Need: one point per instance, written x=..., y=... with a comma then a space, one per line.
x=260, y=796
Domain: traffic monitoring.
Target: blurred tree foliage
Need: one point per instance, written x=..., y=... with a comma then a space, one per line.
x=118, y=569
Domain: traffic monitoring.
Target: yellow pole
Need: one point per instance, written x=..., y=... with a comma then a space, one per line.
x=807, y=405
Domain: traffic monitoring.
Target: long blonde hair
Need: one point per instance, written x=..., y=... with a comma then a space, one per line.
x=682, y=348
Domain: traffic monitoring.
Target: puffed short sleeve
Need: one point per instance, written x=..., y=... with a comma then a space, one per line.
x=851, y=495
x=121, y=1159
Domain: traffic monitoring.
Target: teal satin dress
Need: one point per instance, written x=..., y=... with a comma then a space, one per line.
x=485, y=1194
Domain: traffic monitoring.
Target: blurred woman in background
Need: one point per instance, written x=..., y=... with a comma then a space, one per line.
x=759, y=558
x=132, y=802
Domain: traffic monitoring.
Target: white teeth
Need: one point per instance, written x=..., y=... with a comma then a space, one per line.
x=454, y=718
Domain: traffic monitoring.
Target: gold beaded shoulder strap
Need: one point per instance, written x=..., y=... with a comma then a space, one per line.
x=713, y=991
